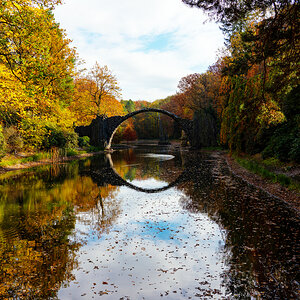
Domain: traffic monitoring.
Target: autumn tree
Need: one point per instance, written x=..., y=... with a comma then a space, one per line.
x=36, y=69
x=231, y=13
x=102, y=84
x=129, y=133
x=176, y=104
x=36, y=51
x=260, y=75
x=200, y=90
x=267, y=30
x=145, y=124
x=253, y=100
x=96, y=95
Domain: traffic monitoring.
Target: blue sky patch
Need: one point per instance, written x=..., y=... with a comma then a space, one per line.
x=160, y=42
x=90, y=36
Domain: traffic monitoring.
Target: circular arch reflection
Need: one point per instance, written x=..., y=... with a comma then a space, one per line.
x=110, y=176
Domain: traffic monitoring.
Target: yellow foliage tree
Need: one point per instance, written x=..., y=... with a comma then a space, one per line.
x=36, y=68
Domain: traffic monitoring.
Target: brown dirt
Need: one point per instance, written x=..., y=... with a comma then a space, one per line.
x=275, y=189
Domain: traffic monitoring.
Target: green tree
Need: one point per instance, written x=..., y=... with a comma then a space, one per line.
x=128, y=105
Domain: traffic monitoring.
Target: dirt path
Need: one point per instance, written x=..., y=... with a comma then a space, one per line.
x=291, y=197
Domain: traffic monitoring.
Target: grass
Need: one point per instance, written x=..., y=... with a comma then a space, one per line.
x=36, y=157
x=272, y=162
x=71, y=152
x=259, y=169
x=6, y=162
x=10, y=160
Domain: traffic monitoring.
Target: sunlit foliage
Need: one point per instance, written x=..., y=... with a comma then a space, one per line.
x=36, y=69
x=96, y=95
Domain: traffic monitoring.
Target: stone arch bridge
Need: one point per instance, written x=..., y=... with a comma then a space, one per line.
x=102, y=130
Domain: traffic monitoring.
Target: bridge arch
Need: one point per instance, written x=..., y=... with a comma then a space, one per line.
x=102, y=130
x=114, y=122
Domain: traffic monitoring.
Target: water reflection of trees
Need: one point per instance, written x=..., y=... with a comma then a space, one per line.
x=36, y=254
x=96, y=206
x=38, y=213
x=131, y=165
x=262, y=233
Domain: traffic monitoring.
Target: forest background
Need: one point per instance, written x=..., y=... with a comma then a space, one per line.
x=248, y=101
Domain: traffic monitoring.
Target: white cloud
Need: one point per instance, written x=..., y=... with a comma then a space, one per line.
x=127, y=35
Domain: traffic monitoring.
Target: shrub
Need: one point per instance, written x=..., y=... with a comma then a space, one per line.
x=33, y=132
x=284, y=144
x=45, y=135
x=271, y=161
x=54, y=137
x=95, y=149
x=294, y=153
x=13, y=139
x=59, y=137
x=71, y=152
x=83, y=141
x=71, y=138
x=283, y=179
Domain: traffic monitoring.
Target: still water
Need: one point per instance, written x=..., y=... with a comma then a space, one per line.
x=144, y=223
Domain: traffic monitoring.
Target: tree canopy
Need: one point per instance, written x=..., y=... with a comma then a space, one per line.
x=95, y=95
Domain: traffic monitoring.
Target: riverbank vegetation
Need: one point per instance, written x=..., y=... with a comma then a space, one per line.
x=270, y=169
x=247, y=101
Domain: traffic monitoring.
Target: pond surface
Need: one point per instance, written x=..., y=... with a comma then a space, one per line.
x=144, y=223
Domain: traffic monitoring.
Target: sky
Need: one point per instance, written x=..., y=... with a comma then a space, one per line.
x=148, y=45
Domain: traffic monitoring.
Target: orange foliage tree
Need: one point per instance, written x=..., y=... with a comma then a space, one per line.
x=96, y=95
x=129, y=133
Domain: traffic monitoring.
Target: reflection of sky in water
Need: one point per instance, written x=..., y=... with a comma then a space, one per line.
x=149, y=184
x=154, y=249
x=159, y=157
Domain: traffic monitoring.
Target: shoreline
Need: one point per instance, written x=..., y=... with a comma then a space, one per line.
x=32, y=164
x=275, y=189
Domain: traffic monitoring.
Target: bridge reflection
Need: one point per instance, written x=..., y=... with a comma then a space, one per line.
x=107, y=174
